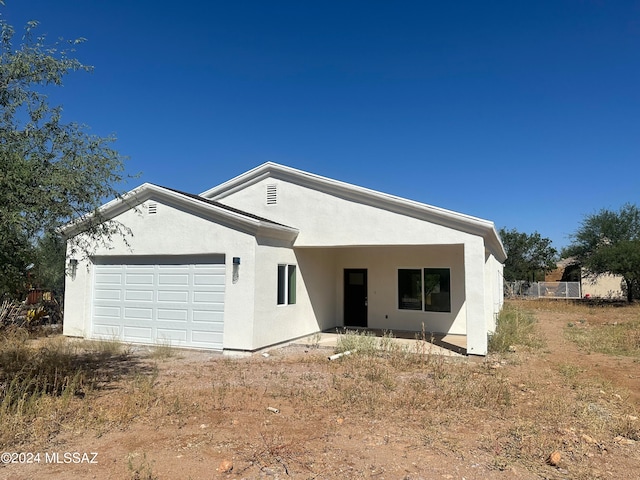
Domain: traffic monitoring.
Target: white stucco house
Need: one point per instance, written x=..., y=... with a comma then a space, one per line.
x=277, y=253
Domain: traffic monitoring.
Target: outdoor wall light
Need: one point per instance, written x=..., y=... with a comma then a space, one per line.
x=236, y=269
x=73, y=264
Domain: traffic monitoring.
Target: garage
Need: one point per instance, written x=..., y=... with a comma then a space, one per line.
x=176, y=301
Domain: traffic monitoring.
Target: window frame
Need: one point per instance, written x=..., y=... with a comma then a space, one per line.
x=286, y=291
x=425, y=307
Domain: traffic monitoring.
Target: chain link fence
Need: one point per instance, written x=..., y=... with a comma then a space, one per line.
x=543, y=289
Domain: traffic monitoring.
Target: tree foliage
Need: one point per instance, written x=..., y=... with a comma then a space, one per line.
x=608, y=242
x=49, y=263
x=50, y=171
x=527, y=255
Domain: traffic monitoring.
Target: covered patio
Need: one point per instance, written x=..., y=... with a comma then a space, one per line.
x=383, y=289
x=437, y=344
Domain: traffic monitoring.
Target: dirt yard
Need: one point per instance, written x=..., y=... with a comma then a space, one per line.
x=557, y=411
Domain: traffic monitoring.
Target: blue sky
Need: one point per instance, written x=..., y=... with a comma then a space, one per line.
x=526, y=113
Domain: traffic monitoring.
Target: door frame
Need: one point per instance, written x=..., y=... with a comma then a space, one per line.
x=350, y=301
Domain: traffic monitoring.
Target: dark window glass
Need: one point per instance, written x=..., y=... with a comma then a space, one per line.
x=437, y=290
x=282, y=282
x=409, y=289
x=291, y=285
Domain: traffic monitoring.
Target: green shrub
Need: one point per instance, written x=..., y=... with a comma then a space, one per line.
x=514, y=326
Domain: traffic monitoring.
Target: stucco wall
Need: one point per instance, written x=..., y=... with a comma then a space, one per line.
x=382, y=264
x=602, y=286
x=494, y=296
x=171, y=231
x=318, y=274
x=327, y=220
x=275, y=323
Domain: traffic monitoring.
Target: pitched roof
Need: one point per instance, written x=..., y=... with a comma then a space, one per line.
x=403, y=206
x=191, y=203
x=223, y=206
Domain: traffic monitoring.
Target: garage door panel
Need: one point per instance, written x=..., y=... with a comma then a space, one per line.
x=136, y=334
x=106, y=331
x=172, y=335
x=104, y=311
x=174, y=279
x=215, y=327
x=173, y=315
x=138, y=313
x=205, y=337
x=140, y=279
x=108, y=294
x=208, y=279
x=138, y=295
x=173, y=296
x=155, y=303
x=107, y=322
x=212, y=317
x=109, y=279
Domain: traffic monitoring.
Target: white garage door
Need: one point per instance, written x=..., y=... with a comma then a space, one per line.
x=178, y=302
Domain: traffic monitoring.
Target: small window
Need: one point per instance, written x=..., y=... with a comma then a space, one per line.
x=282, y=284
x=291, y=285
x=427, y=289
x=286, y=284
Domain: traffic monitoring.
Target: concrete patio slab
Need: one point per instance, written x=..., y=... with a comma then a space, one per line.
x=447, y=345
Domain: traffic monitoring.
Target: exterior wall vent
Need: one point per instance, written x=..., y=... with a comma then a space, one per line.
x=272, y=194
x=152, y=208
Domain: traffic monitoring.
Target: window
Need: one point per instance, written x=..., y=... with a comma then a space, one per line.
x=286, y=284
x=437, y=290
x=410, y=289
x=427, y=289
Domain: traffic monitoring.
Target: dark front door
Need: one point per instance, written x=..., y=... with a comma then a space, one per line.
x=355, y=297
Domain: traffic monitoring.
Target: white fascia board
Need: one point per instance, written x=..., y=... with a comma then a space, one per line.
x=147, y=190
x=241, y=181
x=385, y=201
x=109, y=210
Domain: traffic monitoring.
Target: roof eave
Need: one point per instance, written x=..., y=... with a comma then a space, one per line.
x=441, y=216
x=146, y=191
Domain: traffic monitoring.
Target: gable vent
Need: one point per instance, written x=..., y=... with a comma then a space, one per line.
x=272, y=194
x=152, y=208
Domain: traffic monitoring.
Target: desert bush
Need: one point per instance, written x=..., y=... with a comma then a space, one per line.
x=163, y=351
x=365, y=343
x=368, y=344
x=515, y=326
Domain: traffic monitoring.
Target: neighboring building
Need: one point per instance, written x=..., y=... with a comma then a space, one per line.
x=278, y=253
x=592, y=286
